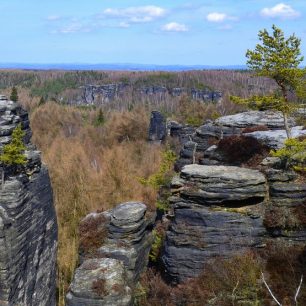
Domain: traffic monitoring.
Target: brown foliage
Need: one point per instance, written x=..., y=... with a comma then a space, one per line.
x=93, y=232
x=240, y=149
x=285, y=263
x=98, y=286
x=223, y=281
x=255, y=129
x=91, y=168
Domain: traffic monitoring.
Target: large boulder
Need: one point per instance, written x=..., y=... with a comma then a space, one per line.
x=100, y=282
x=222, y=184
x=28, y=228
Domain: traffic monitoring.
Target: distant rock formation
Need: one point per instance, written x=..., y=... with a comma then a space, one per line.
x=100, y=94
x=28, y=228
x=114, y=250
x=157, y=128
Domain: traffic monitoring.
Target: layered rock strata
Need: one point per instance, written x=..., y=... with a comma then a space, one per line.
x=28, y=228
x=117, y=259
x=217, y=212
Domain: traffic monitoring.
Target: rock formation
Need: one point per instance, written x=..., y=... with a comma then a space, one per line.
x=204, y=137
x=114, y=250
x=28, y=228
x=157, y=128
x=217, y=212
x=99, y=94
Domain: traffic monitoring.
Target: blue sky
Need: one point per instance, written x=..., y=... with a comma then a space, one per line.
x=146, y=32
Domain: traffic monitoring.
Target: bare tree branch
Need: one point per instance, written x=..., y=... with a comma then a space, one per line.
x=270, y=291
x=298, y=291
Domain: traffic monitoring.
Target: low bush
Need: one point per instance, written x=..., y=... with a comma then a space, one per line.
x=240, y=149
x=293, y=154
x=93, y=232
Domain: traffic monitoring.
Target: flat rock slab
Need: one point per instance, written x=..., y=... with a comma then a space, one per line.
x=276, y=139
x=220, y=184
x=271, y=119
x=127, y=213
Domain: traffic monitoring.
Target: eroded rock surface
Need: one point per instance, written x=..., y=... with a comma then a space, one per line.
x=125, y=245
x=28, y=228
x=217, y=212
x=100, y=94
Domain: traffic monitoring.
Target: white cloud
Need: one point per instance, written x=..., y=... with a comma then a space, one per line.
x=216, y=17
x=124, y=25
x=136, y=14
x=74, y=27
x=53, y=17
x=174, y=27
x=280, y=10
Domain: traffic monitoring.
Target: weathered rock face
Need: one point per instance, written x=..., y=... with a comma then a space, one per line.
x=118, y=258
x=285, y=216
x=96, y=94
x=157, y=128
x=28, y=228
x=99, y=94
x=217, y=212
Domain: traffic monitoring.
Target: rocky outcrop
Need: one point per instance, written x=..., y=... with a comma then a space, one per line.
x=28, y=228
x=99, y=94
x=266, y=126
x=272, y=119
x=217, y=212
x=157, y=128
x=117, y=259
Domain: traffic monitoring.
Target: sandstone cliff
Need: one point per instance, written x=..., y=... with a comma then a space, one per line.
x=28, y=228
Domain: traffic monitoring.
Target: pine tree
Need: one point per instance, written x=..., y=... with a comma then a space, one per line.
x=14, y=94
x=277, y=58
x=13, y=153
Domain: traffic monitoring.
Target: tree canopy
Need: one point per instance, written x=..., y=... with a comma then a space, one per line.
x=278, y=58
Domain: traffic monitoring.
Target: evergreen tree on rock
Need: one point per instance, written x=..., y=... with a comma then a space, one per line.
x=14, y=94
x=278, y=58
x=13, y=153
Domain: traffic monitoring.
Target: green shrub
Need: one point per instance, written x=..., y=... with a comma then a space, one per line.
x=161, y=177
x=13, y=153
x=156, y=246
x=293, y=153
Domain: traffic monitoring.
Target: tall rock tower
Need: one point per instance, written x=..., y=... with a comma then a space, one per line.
x=28, y=228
